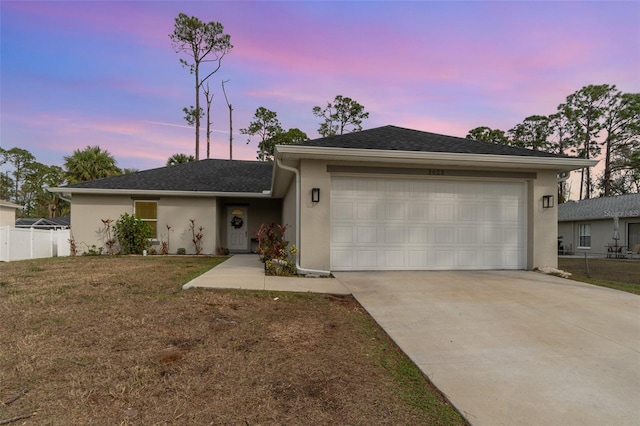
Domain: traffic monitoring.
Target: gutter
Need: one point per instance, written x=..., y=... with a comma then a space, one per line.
x=298, y=267
x=158, y=192
x=444, y=158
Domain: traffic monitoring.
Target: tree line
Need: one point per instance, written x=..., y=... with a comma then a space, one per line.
x=26, y=180
x=203, y=45
x=595, y=121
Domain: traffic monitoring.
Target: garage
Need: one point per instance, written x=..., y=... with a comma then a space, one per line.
x=424, y=223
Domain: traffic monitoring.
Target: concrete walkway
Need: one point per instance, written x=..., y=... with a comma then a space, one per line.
x=514, y=347
x=506, y=347
x=245, y=271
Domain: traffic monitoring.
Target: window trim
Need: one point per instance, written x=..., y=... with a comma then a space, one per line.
x=581, y=235
x=135, y=202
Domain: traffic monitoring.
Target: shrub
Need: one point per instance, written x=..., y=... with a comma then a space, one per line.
x=181, y=251
x=197, y=235
x=93, y=251
x=272, y=248
x=133, y=234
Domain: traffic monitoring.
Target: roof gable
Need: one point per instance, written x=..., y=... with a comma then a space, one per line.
x=392, y=138
x=210, y=175
x=600, y=208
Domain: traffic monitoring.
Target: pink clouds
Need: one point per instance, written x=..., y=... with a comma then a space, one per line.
x=100, y=72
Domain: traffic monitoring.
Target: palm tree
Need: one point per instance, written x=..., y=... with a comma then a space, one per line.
x=180, y=159
x=90, y=163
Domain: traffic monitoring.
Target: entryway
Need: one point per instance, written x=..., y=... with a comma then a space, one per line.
x=237, y=229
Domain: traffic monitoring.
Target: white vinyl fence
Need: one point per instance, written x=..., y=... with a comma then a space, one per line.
x=30, y=243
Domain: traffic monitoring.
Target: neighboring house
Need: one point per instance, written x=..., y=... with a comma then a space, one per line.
x=8, y=213
x=587, y=226
x=387, y=198
x=62, y=222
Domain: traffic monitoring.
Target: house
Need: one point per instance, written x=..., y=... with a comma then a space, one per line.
x=8, y=213
x=387, y=198
x=62, y=222
x=588, y=226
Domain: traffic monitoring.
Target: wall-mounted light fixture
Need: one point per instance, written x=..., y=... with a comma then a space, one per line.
x=547, y=201
x=315, y=195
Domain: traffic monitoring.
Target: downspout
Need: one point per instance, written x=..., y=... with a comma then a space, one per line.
x=68, y=200
x=298, y=267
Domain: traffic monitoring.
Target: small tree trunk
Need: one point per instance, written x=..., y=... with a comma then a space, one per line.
x=197, y=111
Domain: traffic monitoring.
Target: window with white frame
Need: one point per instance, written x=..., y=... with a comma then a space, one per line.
x=584, y=234
x=147, y=211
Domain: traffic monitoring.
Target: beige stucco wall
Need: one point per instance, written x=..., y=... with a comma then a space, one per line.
x=88, y=210
x=7, y=216
x=315, y=217
x=542, y=247
x=289, y=212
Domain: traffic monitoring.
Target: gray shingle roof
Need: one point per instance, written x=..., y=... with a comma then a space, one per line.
x=600, y=208
x=204, y=175
x=401, y=139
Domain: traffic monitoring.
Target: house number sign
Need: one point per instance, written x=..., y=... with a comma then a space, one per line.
x=435, y=172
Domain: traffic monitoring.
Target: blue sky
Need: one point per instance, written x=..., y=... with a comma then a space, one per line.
x=74, y=74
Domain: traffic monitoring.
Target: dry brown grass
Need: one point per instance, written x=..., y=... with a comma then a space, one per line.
x=114, y=340
x=620, y=274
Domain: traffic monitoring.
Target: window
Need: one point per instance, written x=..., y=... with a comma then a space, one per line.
x=584, y=233
x=147, y=211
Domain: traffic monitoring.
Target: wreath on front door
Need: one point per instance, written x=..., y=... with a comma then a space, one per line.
x=237, y=222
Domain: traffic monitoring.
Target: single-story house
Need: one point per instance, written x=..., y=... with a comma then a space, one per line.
x=589, y=226
x=8, y=213
x=62, y=222
x=387, y=198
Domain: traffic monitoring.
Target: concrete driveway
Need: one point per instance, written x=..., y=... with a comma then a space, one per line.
x=514, y=347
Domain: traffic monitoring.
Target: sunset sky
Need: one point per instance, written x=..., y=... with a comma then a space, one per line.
x=104, y=73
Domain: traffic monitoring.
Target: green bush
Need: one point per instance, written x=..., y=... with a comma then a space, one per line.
x=182, y=251
x=133, y=234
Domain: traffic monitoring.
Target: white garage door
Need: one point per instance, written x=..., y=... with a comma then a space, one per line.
x=420, y=224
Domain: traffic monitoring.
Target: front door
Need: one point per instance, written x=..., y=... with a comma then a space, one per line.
x=237, y=229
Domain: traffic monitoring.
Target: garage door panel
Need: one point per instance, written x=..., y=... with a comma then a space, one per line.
x=394, y=235
x=366, y=235
x=395, y=211
x=419, y=235
x=394, y=259
x=400, y=223
x=445, y=212
x=342, y=210
x=342, y=260
x=444, y=259
x=366, y=259
x=342, y=234
x=418, y=212
x=366, y=211
x=445, y=235
x=466, y=235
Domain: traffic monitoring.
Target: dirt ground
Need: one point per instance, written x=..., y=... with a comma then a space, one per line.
x=114, y=340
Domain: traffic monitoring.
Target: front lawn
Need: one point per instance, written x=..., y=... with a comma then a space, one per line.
x=620, y=274
x=114, y=340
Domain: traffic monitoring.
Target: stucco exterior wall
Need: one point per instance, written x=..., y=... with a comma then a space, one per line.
x=88, y=210
x=289, y=212
x=7, y=216
x=315, y=217
x=542, y=244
